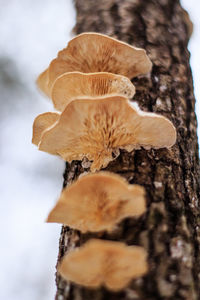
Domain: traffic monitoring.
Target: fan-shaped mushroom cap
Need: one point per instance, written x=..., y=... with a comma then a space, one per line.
x=42, y=82
x=97, y=202
x=75, y=85
x=41, y=123
x=97, y=129
x=100, y=262
x=95, y=52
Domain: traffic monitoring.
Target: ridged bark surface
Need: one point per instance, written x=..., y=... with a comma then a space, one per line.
x=170, y=229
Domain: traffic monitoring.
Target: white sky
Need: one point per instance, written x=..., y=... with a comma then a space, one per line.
x=31, y=33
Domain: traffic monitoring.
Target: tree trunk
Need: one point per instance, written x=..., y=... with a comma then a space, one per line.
x=170, y=229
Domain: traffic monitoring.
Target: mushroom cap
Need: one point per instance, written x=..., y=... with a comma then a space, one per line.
x=101, y=262
x=41, y=123
x=75, y=85
x=42, y=82
x=97, y=202
x=97, y=129
x=94, y=52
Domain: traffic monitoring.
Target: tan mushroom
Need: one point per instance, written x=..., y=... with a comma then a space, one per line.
x=100, y=262
x=41, y=123
x=75, y=85
x=97, y=129
x=95, y=52
x=98, y=202
x=42, y=82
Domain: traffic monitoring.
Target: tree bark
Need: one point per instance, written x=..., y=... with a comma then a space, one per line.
x=169, y=230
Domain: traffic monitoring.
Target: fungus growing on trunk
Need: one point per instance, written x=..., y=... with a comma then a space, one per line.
x=41, y=123
x=42, y=82
x=96, y=130
x=95, y=52
x=97, y=202
x=107, y=263
x=75, y=85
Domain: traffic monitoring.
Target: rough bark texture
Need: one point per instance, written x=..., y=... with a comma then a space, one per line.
x=170, y=229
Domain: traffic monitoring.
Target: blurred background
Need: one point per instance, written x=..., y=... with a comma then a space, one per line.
x=32, y=32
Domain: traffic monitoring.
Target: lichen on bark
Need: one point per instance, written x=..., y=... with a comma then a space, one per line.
x=170, y=230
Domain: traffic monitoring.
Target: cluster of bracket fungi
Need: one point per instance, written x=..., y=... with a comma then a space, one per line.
x=89, y=84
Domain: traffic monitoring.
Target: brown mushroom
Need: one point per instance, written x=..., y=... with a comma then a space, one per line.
x=97, y=129
x=98, y=202
x=75, y=85
x=95, y=52
x=101, y=262
x=41, y=123
x=42, y=82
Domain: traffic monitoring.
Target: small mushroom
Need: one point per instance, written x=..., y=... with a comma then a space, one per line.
x=97, y=129
x=95, y=52
x=75, y=85
x=42, y=82
x=107, y=263
x=97, y=202
x=41, y=123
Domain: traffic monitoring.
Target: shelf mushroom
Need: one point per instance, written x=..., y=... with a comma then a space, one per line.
x=42, y=122
x=97, y=202
x=102, y=262
x=75, y=85
x=94, y=52
x=98, y=129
